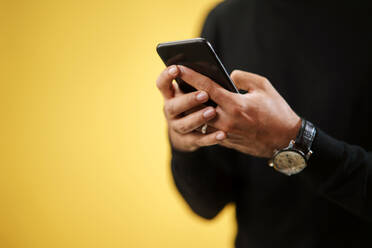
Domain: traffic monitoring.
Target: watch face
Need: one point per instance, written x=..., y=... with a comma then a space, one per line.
x=289, y=162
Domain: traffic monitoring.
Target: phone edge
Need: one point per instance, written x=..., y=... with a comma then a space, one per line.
x=201, y=40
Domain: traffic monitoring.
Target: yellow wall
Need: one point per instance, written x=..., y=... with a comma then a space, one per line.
x=83, y=147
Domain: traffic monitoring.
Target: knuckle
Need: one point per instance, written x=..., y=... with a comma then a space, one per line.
x=158, y=83
x=210, y=84
x=215, y=92
x=204, y=141
x=240, y=76
x=182, y=129
x=182, y=126
x=228, y=126
x=205, y=83
x=239, y=108
x=169, y=109
x=243, y=107
x=235, y=111
x=236, y=73
x=198, y=142
x=188, y=141
x=172, y=125
x=264, y=82
x=218, y=93
x=165, y=109
x=160, y=80
x=252, y=113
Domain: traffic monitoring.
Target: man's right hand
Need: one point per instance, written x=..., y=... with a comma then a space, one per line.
x=185, y=113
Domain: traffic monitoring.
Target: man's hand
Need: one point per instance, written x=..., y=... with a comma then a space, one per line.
x=256, y=123
x=185, y=113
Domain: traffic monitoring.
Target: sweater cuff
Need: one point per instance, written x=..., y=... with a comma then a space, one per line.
x=327, y=156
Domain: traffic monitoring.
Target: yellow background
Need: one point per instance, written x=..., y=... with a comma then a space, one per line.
x=84, y=159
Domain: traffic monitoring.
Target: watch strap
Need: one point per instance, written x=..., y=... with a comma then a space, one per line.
x=306, y=136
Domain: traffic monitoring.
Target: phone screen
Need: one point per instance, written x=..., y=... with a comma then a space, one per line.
x=198, y=55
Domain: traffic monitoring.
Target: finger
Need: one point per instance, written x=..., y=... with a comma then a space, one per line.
x=164, y=81
x=184, y=102
x=211, y=139
x=247, y=81
x=201, y=140
x=221, y=121
x=204, y=83
x=193, y=121
x=227, y=143
x=246, y=148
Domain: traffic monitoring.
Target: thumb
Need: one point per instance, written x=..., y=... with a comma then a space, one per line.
x=246, y=80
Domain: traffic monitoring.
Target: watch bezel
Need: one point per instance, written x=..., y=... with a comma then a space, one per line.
x=291, y=148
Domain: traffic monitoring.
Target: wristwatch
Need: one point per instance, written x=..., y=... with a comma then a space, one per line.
x=293, y=159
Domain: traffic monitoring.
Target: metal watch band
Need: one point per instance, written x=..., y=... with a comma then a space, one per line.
x=306, y=136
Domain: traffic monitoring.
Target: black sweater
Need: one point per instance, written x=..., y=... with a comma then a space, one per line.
x=318, y=58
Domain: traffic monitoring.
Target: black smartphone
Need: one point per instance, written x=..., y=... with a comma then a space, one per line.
x=197, y=54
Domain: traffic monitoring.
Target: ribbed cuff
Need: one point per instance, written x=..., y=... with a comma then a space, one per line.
x=327, y=156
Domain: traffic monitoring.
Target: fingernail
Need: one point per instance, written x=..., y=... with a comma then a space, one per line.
x=208, y=113
x=202, y=96
x=220, y=136
x=173, y=70
x=181, y=68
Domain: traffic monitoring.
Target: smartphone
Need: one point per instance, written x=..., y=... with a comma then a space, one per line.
x=197, y=54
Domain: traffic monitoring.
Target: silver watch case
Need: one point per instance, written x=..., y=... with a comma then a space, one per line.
x=289, y=160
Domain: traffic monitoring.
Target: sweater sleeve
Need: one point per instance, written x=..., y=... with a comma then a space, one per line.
x=342, y=173
x=204, y=177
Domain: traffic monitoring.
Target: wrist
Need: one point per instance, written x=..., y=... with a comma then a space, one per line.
x=292, y=131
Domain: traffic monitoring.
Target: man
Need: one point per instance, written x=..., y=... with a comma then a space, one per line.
x=314, y=91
